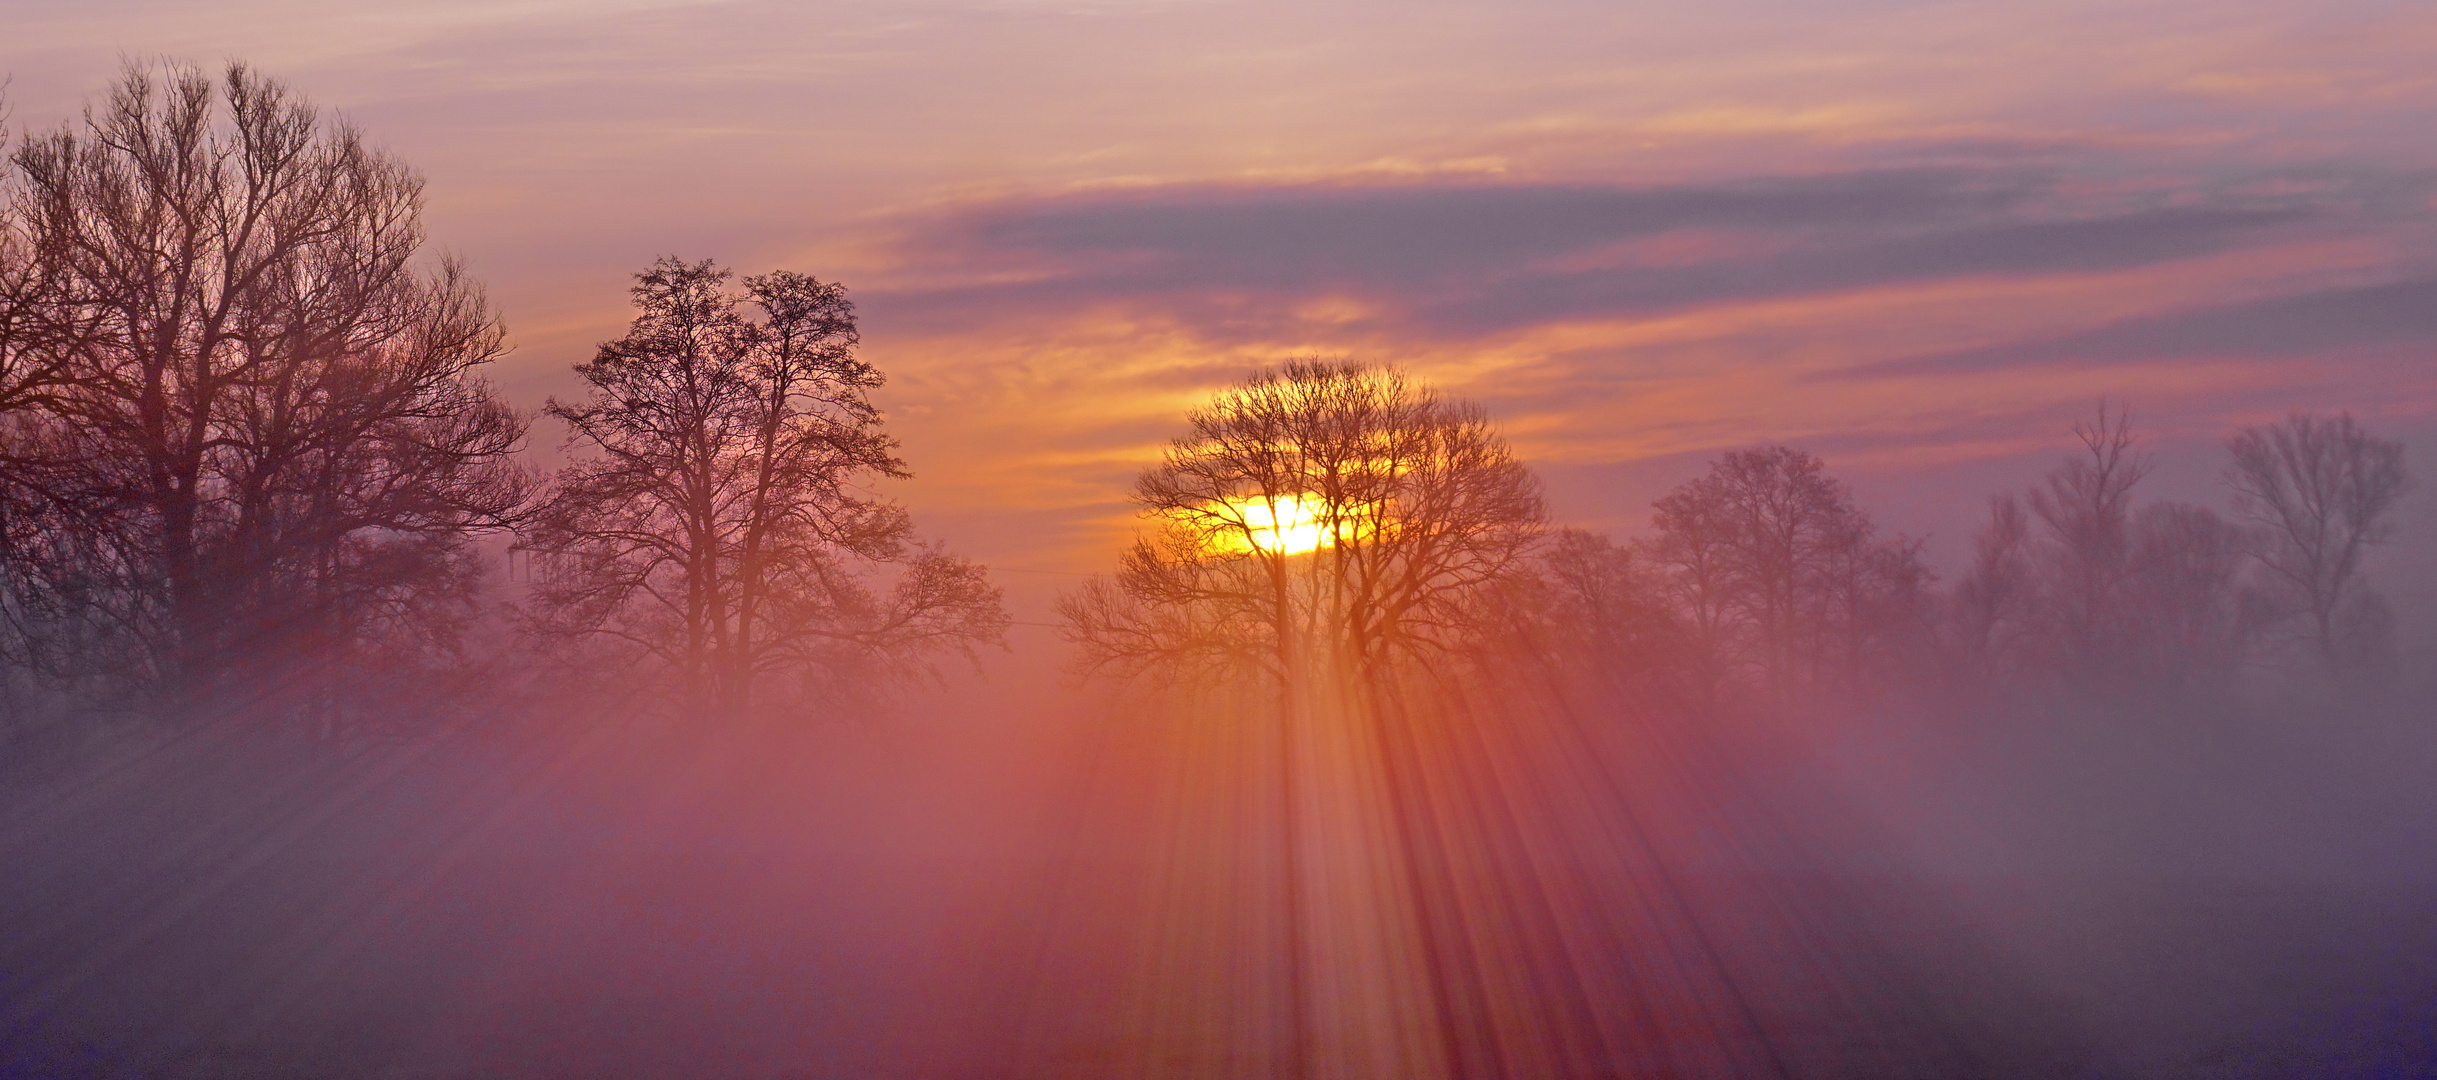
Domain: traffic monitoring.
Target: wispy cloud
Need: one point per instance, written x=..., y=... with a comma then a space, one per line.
x=1640, y=231
x=2325, y=324
x=1477, y=259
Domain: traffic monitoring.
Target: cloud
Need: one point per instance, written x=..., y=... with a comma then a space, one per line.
x=1845, y=262
x=2278, y=327
x=1483, y=258
x=1311, y=235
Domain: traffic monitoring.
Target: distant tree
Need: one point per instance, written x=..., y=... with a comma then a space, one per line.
x=723, y=526
x=245, y=425
x=2093, y=590
x=2318, y=491
x=1874, y=601
x=1611, y=602
x=1994, y=604
x=2085, y=507
x=1780, y=572
x=2186, y=596
x=1693, y=544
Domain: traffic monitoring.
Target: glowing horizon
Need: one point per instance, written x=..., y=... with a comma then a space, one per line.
x=1680, y=646
x=1638, y=237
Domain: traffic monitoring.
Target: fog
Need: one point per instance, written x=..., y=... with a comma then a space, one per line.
x=1009, y=874
x=337, y=738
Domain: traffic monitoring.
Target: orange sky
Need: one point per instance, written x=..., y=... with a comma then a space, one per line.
x=1919, y=238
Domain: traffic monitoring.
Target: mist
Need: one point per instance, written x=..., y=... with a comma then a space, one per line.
x=1558, y=855
x=967, y=886
x=356, y=720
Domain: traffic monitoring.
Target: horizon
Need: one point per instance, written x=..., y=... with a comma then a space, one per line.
x=1898, y=235
x=1071, y=538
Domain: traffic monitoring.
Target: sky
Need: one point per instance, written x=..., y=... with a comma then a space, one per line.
x=1919, y=239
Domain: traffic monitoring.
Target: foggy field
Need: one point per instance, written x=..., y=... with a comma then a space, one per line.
x=1162, y=540
x=959, y=894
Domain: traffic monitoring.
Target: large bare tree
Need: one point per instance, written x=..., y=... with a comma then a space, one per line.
x=2320, y=491
x=1336, y=533
x=248, y=420
x=1322, y=518
x=723, y=524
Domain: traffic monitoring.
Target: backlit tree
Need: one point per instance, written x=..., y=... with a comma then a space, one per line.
x=723, y=524
x=1322, y=518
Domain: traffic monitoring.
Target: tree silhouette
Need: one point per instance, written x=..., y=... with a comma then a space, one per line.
x=2319, y=491
x=724, y=527
x=2092, y=589
x=2086, y=507
x=2186, y=594
x=1321, y=518
x=1333, y=530
x=246, y=425
x=1777, y=571
x=1610, y=603
x=1994, y=604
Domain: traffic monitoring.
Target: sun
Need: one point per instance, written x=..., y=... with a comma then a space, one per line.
x=1286, y=526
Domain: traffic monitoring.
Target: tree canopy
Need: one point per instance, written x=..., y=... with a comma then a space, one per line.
x=242, y=421
x=1320, y=518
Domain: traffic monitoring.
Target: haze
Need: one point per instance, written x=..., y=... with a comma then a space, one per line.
x=1930, y=247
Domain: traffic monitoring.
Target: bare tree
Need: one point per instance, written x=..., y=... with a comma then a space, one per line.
x=2105, y=592
x=2319, y=491
x=1780, y=572
x=248, y=421
x=2185, y=595
x=1873, y=601
x=1323, y=517
x=1693, y=544
x=1993, y=604
x=1331, y=530
x=724, y=527
x=1610, y=600
x=2086, y=508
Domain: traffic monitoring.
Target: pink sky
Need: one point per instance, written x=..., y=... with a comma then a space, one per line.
x=1918, y=238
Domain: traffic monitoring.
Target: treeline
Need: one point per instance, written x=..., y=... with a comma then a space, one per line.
x=1335, y=528
x=248, y=457
x=1763, y=579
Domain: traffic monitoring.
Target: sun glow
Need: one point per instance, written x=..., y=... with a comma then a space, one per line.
x=1287, y=526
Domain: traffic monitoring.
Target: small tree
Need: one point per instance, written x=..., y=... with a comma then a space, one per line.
x=1994, y=604
x=1609, y=602
x=724, y=527
x=1778, y=571
x=2318, y=491
x=2086, y=508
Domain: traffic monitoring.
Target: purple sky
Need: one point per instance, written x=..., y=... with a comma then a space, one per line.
x=1918, y=238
